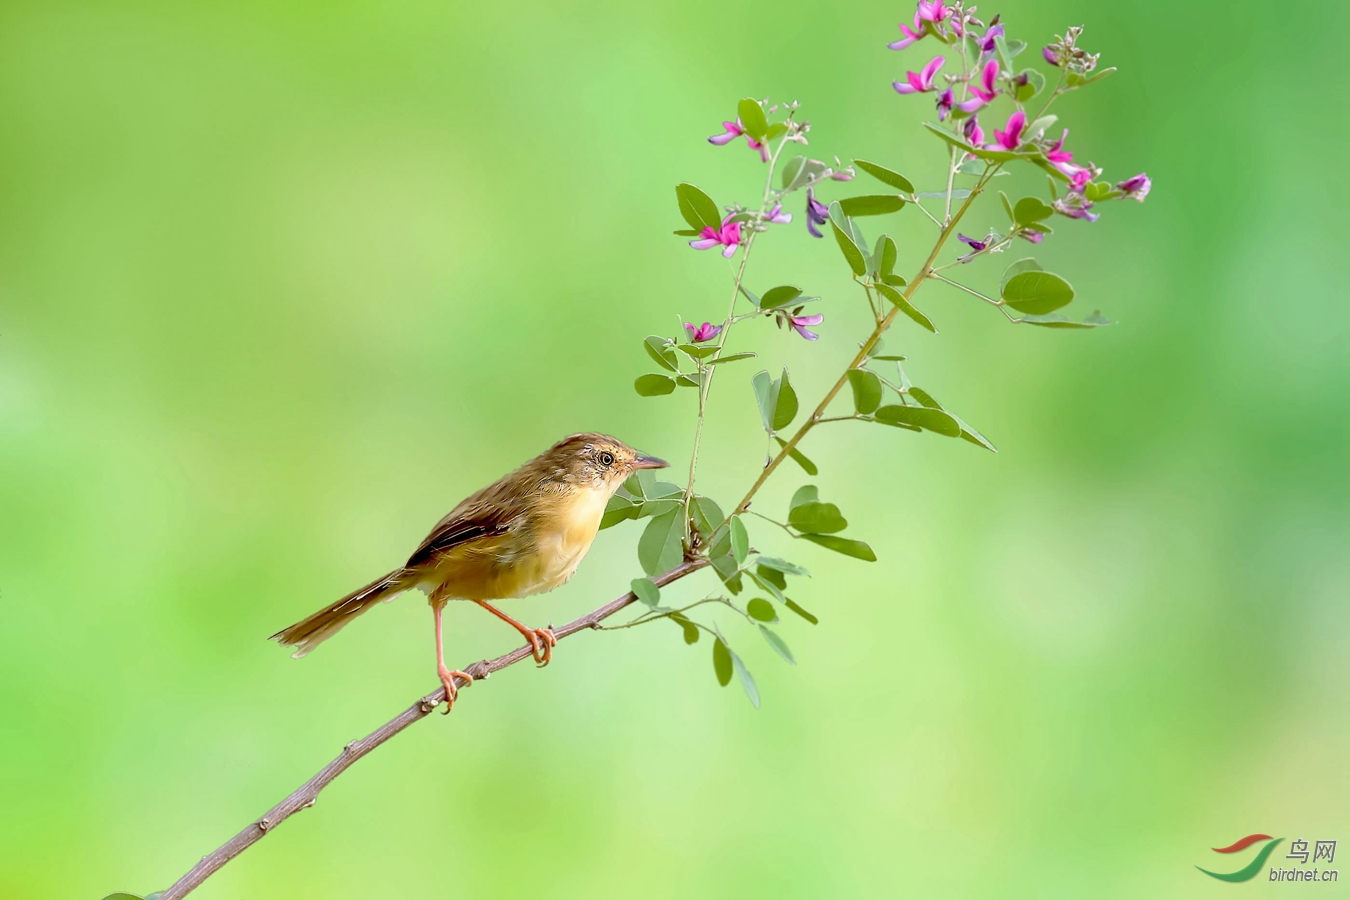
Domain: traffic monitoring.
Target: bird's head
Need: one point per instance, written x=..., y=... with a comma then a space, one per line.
x=596, y=461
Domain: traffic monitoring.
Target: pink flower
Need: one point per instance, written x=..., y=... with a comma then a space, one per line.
x=972, y=130
x=989, y=45
x=1136, y=188
x=733, y=130
x=910, y=35
x=931, y=11
x=944, y=104
x=984, y=91
x=1051, y=56
x=921, y=83
x=799, y=324
x=817, y=213
x=777, y=216
x=1011, y=137
x=975, y=247
x=1032, y=235
x=728, y=235
x=705, y=332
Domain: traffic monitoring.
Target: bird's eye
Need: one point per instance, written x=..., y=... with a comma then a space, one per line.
x=606, y=458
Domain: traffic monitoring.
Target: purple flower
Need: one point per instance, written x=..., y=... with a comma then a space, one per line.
x=931, y=11
x=799, y=324
x=728, y=235
x=1011, y=137
x=842, y=175
x=988, y=45
x=985, y=91
x=1032, y=235
x=817, y=213
x=1136, y=188
x=777, y=216
x=921, y=83
x=972, y=130
x=975, y=246
x=944, y=104
x=1075, y=206
x=910, y=35
x=705, y=332
x=1051, y=55
x=733, y=130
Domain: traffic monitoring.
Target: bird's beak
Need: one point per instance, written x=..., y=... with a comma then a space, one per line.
x=648, y=462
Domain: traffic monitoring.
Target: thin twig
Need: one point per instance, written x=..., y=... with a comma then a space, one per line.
x=304, y=796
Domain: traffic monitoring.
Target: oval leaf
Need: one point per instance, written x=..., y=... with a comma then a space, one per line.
x=661, y=546
x=785, y=409
x=747, y=681
x=799, y=458
x=934, y=420
x=752, y=118
x=856, y=549
x=1037, y=293
x=866, y=390
x=740, y=540
x=777, y=644
x=885, y=255
x=1022, y=265
x=722, y=662
x=1030, y=210
x=735, y=357
x=658, y=348
x=761, y=610
x=872, y=205
x=817, y=518
x=852, y=254
x=792, y=605
x=698, y=208
x=883, y=174
x=897, y=299
x=646, y=591
x=779, y=296
x=654, y=385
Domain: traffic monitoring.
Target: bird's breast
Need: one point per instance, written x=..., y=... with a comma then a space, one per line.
x=564, y=534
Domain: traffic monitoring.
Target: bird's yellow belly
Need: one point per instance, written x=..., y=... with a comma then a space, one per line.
x=531, y=561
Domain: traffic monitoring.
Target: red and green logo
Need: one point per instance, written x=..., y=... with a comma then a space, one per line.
x=1247, y=872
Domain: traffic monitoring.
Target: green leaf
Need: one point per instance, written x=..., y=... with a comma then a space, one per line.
x=775, y=564
x=659, y=349
x=792, y=605
x=722, y=662
x=897, y=299
x=692, y=381
x=766, y=396
x=761, y=610
x=934, y=420
x=817, y=518
x=776, y=130
x=785, y=408
x=735, y=357
x=654, y=385
x=846, y=246
x=697, y=208
x=807, y=493
x=866, y=390
x=885, y=254
x=1096, y=320
x=747, y=681
x=1017, y=268
x=846, y=546
x=1037, y=293
x=1035, y=84
x=924, y=397
x=122, y=895
x=777, y=644
x=1031, y=209
x=1007, y=207
x=979, y=440
x=779, y=296
x=707, y=515
x=646, y=591
x=740, y=540
x=728, y=570
x=767, y=583
x=799, y=171
x=619, y=509
x=1076, y=81
x=872, y=205
x=799, y=458
x=950, y=138
x=697, y=351
x=752, y=118
x=894, y=280
x=661, y=546
x=690, y=629
x=883, y=174
x=791, y=169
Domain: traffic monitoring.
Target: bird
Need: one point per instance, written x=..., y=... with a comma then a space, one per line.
x=524, y=534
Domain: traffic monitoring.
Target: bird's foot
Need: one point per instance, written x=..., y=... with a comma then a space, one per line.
x=542, y=643
x=447, y=677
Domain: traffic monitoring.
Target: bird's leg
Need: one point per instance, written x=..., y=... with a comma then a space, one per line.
x=447, y=676
x=541, y=640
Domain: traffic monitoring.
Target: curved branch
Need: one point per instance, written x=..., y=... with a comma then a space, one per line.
x=304, y=796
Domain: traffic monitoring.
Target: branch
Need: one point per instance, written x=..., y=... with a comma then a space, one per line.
x=304, y=796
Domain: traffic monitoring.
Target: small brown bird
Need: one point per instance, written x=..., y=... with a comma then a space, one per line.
x=524, y=534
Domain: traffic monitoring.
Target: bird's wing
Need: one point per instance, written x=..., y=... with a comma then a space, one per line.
x=488, y=513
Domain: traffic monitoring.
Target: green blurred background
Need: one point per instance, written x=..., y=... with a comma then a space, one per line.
x=279, y=284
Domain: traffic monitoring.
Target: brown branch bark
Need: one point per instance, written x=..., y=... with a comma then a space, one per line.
x=304, y=796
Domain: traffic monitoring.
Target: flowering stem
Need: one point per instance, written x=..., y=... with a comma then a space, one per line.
x=706, y=372
x=863, y=353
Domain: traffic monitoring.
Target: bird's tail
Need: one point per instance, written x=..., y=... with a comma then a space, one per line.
x=309, y=632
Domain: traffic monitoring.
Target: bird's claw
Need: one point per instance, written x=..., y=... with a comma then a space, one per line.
x=447, y=677
x=542, y=643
